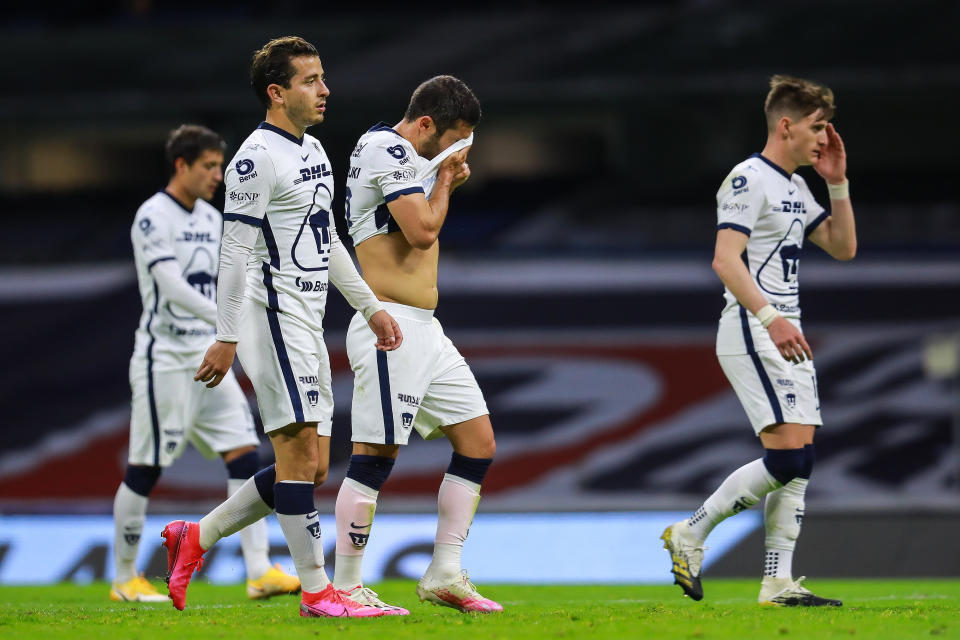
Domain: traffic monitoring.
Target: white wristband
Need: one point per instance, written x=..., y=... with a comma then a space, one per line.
x=839, y=191
x=766, y=315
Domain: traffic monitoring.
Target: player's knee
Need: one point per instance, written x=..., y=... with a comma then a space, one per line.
x=141, y=479
x=370, y=471
x=469, y=468
x=785, y=464
x=244, y=466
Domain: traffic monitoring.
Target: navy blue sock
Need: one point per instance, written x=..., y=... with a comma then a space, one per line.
x=141, y=479
x=370, y=471
x=293, y=498
x=785, y=464
x=265, y=479
x=243, y=467
x=810, y=456
x=472, y=469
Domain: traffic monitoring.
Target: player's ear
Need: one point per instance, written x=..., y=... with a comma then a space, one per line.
x=275, y=93
x=425, y=123
x=783, y=127
x=180, y=165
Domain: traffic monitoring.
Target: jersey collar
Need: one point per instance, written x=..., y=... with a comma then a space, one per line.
x=179, y=204
x=773, y=166
x=382, y=126
x=280, y=132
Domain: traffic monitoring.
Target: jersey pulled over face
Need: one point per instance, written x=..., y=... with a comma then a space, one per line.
x=163, y=230
x=284, y=186
x=777, y=212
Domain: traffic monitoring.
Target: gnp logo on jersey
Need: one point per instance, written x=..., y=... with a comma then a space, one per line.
x=243, y=196
x=397, y=151
x=739, y=184
x=313, y=173
x=245, y=169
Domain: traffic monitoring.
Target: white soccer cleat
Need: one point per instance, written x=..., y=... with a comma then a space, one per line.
x=458, y=593
x=687, y=557
x=136, y=590
x=784, y=592
x=369, y=598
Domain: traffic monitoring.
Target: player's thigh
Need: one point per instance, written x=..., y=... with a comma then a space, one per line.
x=223, y=421
x=773, y=391
x=162, y=409
x=388, y=386
x=288, y=366
x=454, y=398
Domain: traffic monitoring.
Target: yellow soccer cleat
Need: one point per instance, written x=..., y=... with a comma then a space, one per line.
x=273, y=583
x=136, y=590
x=687, y=558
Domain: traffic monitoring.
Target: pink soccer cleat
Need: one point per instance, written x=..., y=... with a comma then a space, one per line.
x=459, y=594
x=184, y=556
x=330, y=604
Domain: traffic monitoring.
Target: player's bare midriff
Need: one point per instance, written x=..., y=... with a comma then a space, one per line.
x=397, y=272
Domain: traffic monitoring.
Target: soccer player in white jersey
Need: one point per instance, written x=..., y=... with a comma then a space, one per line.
x=765, y=213
x=279, y=252
x=176, y=244
x=398, y=192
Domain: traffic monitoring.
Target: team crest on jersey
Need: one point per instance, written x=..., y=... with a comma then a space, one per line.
x=397, y=151
x=407, y=418
x=792, y=400
x=313, y=397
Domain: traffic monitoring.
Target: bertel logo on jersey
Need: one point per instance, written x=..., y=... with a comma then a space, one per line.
x=245, y=169
x=313, y=173
x=739, y=184
x=397, y=151
x=310, y=285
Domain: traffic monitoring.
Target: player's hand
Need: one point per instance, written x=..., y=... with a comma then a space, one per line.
x=454, y=170
x=791, y=343
x=832, y=162
x=216, y=363
x=387, y=331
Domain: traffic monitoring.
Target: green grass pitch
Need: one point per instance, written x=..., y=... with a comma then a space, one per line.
x=873, y=609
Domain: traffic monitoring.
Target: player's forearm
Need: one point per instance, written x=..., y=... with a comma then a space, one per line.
x=734, y=274
x=439, y=205
x=175, y=289
x=841, y=230
x=344, y=276
x=234, y=251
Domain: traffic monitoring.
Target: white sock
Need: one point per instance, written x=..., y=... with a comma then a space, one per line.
x=741, y=490
x=783, y=516
x=302, y=532
x=129, y=513
x=253, y=538
x=356, y=505
x=242, y=508
x=456, y=504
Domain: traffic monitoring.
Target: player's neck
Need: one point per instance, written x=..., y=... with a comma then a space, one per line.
x=279, y=119
x=408, y=130
x=181, y=195
x=779, y=155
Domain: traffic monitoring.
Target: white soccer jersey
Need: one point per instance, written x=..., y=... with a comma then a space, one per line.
x=383, y=167
x=777, y=211
x=169, y=336
x=284, y=186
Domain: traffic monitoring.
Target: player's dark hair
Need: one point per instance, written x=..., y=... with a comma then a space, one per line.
x=796, y=98
x=188, y=141
x=446, y=100
x=271, y=64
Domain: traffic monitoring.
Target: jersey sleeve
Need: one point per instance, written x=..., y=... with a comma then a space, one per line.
x=740, y=200
x=815, y=213
x=249, y=181
x=152, y=237
x=393, y=170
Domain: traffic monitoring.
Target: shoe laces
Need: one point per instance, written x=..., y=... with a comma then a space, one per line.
x=798, y=587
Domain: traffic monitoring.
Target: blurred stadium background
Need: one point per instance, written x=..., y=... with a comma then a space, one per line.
x=575, y=273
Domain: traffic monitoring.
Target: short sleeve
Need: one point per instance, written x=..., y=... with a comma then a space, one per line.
x=393, y=169
x=815, y=213
x=152, y=237
x=740, y=200
x=249, y=181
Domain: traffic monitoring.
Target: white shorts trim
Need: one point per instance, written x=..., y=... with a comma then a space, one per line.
x=288, y=364
x=168, y=409
x=425, y=384
x=772, y=390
